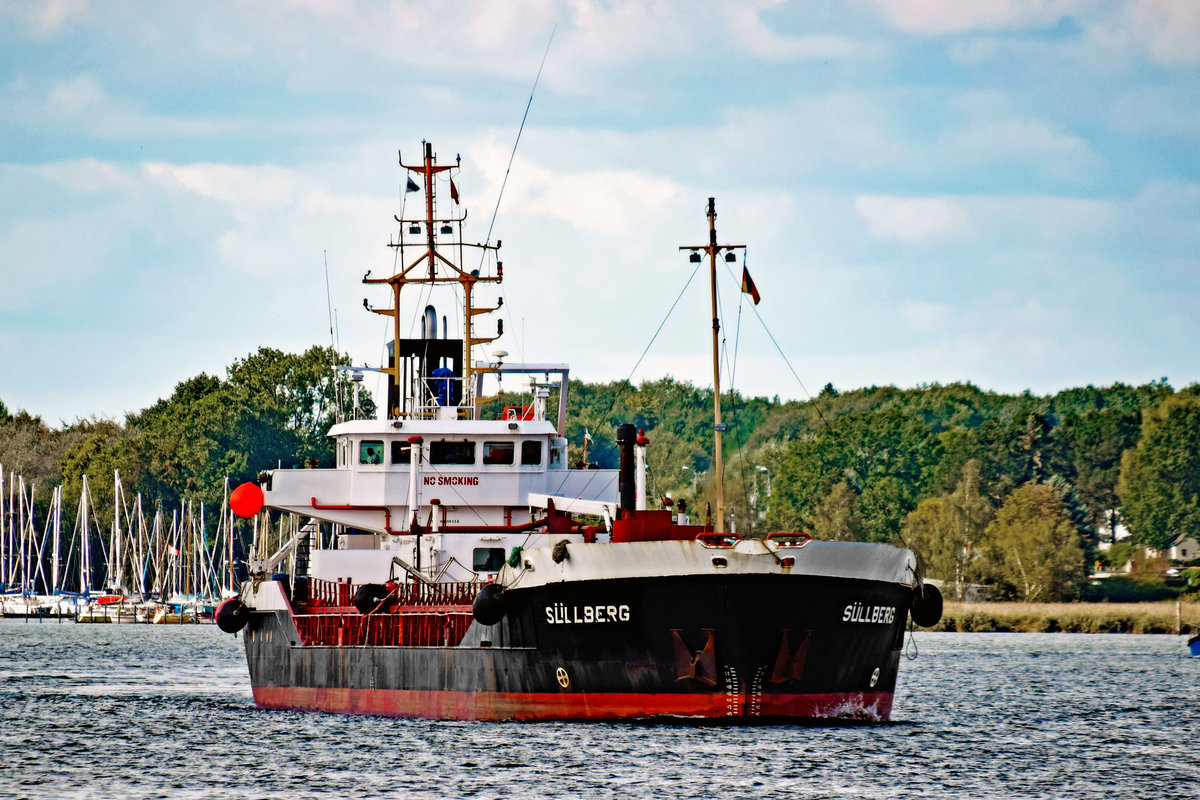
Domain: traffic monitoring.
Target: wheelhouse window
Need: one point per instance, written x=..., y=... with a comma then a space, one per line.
x=555, y=456
x=447, y=452
x=401, y=453
x=531, y=453
x=488, y=559
x=370, y=452
x=498, y=452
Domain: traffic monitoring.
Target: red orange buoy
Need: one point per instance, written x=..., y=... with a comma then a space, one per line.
x=246, y=500
x=232, y=615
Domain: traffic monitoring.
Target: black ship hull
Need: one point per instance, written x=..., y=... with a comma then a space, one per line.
x=732, y=647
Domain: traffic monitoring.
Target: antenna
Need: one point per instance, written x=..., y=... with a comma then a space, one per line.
x=337, y=389
x=329, y=301
x=537, y=78
x=520, y=129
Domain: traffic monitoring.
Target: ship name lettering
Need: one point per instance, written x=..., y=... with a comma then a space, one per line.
x=562, y=614
x=857, y=612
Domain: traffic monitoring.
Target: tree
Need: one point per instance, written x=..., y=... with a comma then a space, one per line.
x=32, y=450
x=1032, y=550
x=1030, y=446
x=885, y=456
x=1160, y=476
x=275, y=408
x=1093, y=443
x=836, y=517
x=883, y=503
x=298, y=394
x=666, y=457
x=102, y=450
x=944, y=531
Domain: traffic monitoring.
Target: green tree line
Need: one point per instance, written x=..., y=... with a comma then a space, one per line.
x=1011, y=490
x=271, y=409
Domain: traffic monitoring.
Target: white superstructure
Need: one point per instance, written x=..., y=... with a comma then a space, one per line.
x=441, y=494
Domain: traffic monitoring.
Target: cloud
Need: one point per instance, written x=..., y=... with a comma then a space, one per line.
x=743, y=21
x=1150, y=109
x=942, y=17
x=59, y=231
x=1165, y=31
x=47, y=17
x=77, y=97
x=1027, y=141
x=41, y=260
x=603, y=202
x=319, y=49
x=914, y=220
x=896, y=203
x=1168, y=31
x=1020, y=226
x=924, y=315
x=274, y=213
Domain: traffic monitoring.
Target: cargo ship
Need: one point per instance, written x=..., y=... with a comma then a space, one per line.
x=456, y=567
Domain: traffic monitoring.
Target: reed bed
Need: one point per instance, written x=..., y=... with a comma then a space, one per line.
x=1069, y=617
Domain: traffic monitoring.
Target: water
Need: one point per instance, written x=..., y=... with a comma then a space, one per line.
x=110, y=711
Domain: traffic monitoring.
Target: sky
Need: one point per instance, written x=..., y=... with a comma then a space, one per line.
x=1005, y=192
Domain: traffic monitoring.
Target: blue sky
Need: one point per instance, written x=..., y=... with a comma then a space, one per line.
x=1000, y=192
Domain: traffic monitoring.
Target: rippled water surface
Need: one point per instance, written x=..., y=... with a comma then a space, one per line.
x=160, y=711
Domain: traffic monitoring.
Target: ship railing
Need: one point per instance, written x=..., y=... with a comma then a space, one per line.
x=330, y=593
x=340, y=593
x=443, y=397
x=436, y=411
x=442, y=628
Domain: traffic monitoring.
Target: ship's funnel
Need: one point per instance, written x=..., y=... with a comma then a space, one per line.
x=627, y=483
x=429, y=323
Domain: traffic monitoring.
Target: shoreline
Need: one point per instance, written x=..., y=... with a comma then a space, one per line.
x=1169, y=617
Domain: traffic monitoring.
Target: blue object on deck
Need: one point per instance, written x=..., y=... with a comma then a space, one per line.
x=443, y=381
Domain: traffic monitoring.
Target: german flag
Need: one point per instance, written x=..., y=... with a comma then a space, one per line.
x=748, y=286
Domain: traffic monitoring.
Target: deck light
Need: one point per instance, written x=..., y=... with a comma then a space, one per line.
x=730, y=256
x=694, y=257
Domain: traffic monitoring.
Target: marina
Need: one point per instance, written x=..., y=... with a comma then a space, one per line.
x=158, y=567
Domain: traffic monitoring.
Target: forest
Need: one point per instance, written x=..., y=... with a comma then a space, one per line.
x=1011, y=492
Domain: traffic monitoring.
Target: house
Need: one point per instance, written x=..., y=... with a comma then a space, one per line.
x=1184, y=547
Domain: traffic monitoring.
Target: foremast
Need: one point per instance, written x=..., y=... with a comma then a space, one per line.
x=712, y=249
x=436, y=235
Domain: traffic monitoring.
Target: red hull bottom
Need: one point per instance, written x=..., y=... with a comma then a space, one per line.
x=495, y=706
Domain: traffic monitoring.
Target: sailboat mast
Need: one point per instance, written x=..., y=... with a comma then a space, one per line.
x=3, y=559
x=116, y=566
x=712, y=249
x=85, y=546
x=56, y=512
x=141, y=555
x=26, y=586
